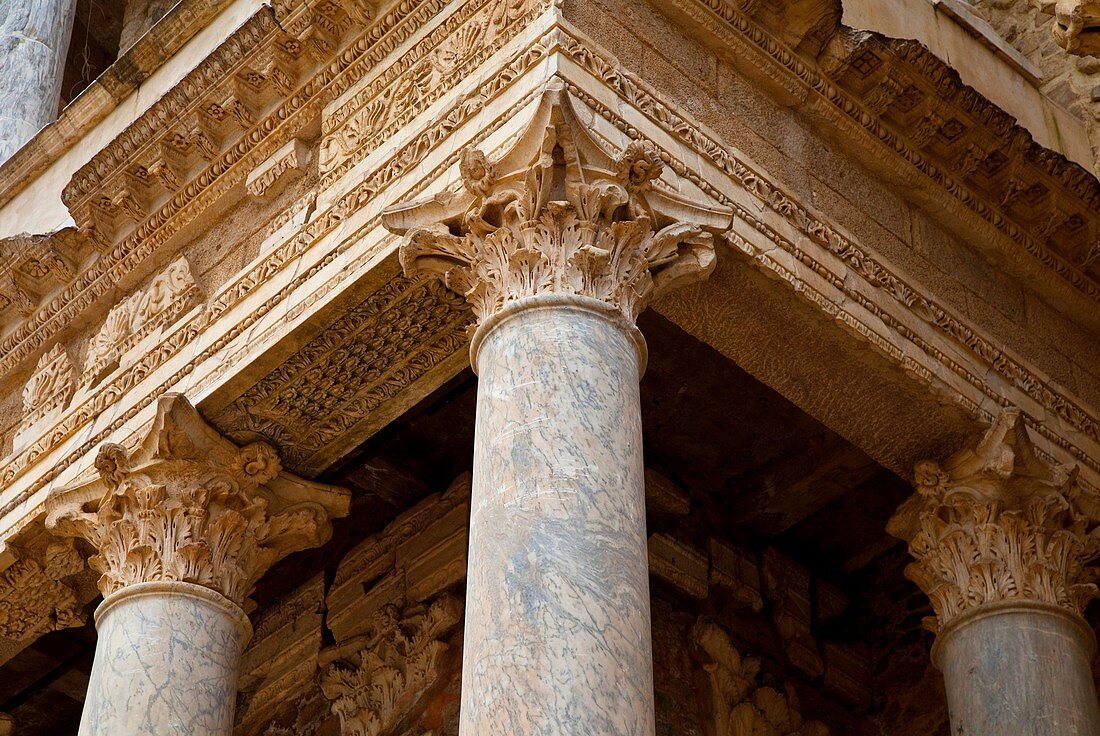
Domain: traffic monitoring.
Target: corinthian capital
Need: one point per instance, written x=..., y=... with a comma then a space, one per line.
x=558, y=215
x=997, y=523
x=189, y=505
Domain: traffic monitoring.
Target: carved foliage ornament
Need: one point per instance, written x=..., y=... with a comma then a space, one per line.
x=995, y=522
x=557, y=215
x=741, y=706
x=188, y=505
x=50, y=386
x=376, y=681
x=35, y=598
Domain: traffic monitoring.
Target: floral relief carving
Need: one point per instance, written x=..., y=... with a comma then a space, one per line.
x=740, y=705
x=188, y=505
x=423, y=76
x=36, y=596
x=557, y=215
x=997, y=523
x=50, y=387
x=377, y=681
x=159, y=304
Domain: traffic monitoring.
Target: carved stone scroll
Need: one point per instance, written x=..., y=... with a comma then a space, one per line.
x=995, y=523
x=188, y=505
x=1076, y=25
x=377, y=680
x=740, y=705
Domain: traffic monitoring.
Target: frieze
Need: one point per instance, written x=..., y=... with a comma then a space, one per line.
x=140, y=316
x=289, y=162
x=423, y=75
x=221, y=174
x=833, y=82
x=325, y=221
x=280, y=256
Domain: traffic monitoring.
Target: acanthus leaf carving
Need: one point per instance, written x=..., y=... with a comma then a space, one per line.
x=997, y=523
x=158, y=305
x=36, y=592
x=377, y=681
x=188, y=505
x=557, y=215
x=49, y=389
x=740, y=705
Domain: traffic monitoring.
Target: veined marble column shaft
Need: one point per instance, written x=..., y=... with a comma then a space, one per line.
x=558, y=247
x=34, y=40
x=166, y=662
x=183, y=525
x=557, y=622
x=1002, y=542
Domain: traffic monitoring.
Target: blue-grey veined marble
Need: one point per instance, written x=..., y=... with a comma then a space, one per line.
x=1020, y=670
x=557, y=638
x=34, y=40
x=166, y=663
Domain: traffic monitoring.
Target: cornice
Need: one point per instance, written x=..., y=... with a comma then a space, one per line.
x=103, y=95
x=962, y=162
x=291, y=248
x=907, y=295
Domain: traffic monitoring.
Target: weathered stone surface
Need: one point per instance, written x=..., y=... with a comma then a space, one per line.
x=34, y=38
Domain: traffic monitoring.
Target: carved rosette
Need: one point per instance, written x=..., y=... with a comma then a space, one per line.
x=557, y=215
x=188, y=505
x=376, y=681
x=997, y=523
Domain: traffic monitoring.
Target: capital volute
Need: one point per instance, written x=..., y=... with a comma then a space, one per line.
x=995, y=522
x=189, y=505
x=556, y=214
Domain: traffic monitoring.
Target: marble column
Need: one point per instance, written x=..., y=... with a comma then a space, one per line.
x=1002, y=541
x=34, y=41
x=557, y=247
x=183, y=525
